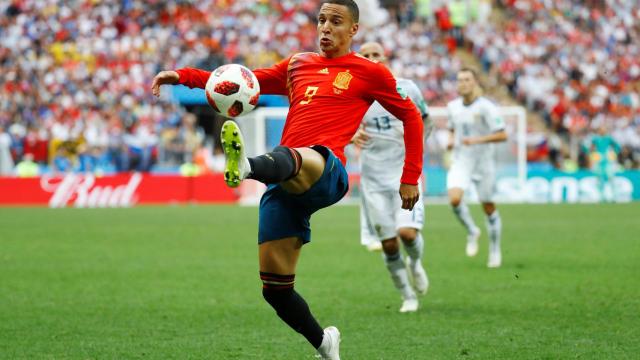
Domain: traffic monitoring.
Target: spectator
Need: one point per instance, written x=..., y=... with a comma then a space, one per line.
x=459, y=10
x=217, y=162
x=6, y=161
x=27, y=167
x=62, y=163
x=141, y=143
x=203, y=159
x=36, y=143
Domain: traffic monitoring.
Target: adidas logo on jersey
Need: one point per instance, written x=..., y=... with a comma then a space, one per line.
x=324, y=71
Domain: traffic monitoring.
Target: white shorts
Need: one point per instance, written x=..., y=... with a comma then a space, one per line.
x=381, y=215
x=482, y=173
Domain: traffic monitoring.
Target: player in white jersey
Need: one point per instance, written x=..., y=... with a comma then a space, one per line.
x=382, y=218
x=474, y=124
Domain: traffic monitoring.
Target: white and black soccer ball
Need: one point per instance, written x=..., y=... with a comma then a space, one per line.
x=232, y=90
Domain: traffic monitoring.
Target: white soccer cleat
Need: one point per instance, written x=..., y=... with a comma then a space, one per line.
x=374, y=246
x=330, y=347
x=419, y=275
x=236, y=166
x=495, y=259
x=409, y=305
x=472, y=243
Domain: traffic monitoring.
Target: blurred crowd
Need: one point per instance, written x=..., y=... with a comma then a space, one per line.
x=575, y=62
x=75, y=74
x=74, y=86
x=74, y=89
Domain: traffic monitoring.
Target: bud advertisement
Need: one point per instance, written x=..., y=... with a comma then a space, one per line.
x=123, y=190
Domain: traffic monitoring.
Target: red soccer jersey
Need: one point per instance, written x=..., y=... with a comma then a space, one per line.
x=328, y=99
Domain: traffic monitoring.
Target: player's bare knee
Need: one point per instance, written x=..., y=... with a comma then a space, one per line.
x=390, y=246
x=455, y=197
x=455, y=201
x=407, y=235
x=489, y=208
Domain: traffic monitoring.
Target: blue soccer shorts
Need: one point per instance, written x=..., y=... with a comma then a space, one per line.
x=283, y=214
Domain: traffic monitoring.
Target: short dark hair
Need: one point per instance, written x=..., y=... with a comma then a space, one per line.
x=350, y=4
x=470, y=70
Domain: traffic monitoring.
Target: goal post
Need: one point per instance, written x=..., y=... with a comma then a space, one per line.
x=263, y=127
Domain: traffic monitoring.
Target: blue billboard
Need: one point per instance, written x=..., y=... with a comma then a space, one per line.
x=550, y=186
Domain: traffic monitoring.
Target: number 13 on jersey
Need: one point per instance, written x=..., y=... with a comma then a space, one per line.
x=311, y=91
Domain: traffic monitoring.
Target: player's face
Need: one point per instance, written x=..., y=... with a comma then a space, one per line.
x=335, y=30
x=602, y=130
x=373, y=51
x=466, y=83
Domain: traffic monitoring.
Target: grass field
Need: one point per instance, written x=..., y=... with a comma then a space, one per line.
x=182, y=283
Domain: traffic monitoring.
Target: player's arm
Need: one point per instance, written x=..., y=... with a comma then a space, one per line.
x=418, y=100
x=498, y=136
x=452, y=139
x=496, y=126
x=193, y=78
x=272, y=80
x=387, y=94
x=361, y=137
x=615, y=145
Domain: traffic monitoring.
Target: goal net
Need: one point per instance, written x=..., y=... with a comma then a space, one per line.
x=263, y=127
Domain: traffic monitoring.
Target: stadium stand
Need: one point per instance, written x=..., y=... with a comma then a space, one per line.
x=74, y=90
x=577, y=63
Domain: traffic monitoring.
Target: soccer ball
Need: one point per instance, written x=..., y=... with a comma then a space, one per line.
x=232, y=90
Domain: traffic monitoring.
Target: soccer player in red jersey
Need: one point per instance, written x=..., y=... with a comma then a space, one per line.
x=329, y=93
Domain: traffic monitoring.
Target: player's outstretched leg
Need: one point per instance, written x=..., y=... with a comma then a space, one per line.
x=414, y=245
x=279, y=165
x=236, y=165
x=399, y=275
x=494, y=229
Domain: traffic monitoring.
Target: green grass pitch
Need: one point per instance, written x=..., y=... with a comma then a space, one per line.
x=182, y=283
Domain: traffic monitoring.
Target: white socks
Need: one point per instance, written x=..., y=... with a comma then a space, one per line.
x=399, y=275
x=463, y=214
x=416, y=248
x=494, y=229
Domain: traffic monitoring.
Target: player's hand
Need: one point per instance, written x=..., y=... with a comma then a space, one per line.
x=450, y=145
x=469, y=141
x=361, y=138
x=409, y=195
x=169, y=77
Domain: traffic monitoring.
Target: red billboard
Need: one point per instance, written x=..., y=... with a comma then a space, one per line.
x=122, y=190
